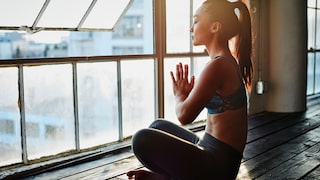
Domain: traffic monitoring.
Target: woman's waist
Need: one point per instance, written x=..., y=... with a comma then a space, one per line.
x=230, y=131
x=218, y=147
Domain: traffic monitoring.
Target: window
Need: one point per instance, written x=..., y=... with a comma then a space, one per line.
x=10, y=137
x=41, y=15
x=129, y=27
x=48, y=97
x=135, y=30
x=54, y=132
x=178, y=26
x=82, y=90
x=7, y=127
x=33, y=130
x=313, y=81
x=127, y=50
x=98, y=103
x=170, y=64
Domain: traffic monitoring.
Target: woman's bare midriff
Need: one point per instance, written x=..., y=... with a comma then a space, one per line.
x=229, y=127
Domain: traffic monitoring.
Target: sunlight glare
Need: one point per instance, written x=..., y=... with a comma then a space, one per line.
x=243, y=173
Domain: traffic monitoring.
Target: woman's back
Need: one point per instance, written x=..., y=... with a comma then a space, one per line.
x=230, y=123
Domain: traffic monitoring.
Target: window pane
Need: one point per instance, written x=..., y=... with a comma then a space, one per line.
x=195, y=69
x=169, y=99
x=138, y=95
x=133, y=35
x=310, y=76
x=178, y=25
x=64, y=18
x=98, y=103
x=130, y=27
x=311, y=28
x=317, y=80
x=10, y=136
x=318, y=31
x=196, y=5
x=49, y=109
x=311, y=3
x=105, y=14
x=27, y=10
x=199, y=63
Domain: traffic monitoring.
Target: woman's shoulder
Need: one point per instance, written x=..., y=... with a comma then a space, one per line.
x=220, y=65
x=225, y=59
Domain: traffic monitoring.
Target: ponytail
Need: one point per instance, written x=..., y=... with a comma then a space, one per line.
x=238, y=26
x=243, y=45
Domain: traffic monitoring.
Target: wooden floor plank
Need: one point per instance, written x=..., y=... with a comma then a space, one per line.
x=296, y=167
x=279, y=146
x=315, y=174
x=107, y=162
x=264, y=118
x=110, y=171
x=263, y=163
x=274, y=126
x=264, y=144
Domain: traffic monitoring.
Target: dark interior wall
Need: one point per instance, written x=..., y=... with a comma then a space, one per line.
x=288, y=56
x=280, y=55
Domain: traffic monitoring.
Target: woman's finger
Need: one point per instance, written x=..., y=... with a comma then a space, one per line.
x=192, y=81
x=177, y=72
x=181, y=75
x=186, y=71
x=172, y=77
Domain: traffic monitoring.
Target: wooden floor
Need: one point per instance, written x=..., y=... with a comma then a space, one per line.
x=280, y=146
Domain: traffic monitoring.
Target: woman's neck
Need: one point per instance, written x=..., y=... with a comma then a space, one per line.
x=218, y=49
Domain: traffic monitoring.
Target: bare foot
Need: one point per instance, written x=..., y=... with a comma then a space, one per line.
x=145, y=175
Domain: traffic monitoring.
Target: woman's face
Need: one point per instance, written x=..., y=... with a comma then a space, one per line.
x=200, y=29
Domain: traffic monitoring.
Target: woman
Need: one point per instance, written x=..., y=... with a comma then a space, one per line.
x=171, y=152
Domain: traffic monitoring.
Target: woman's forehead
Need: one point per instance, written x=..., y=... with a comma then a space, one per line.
x=198, y=12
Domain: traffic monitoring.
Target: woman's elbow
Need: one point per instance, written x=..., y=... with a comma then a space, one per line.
x=186, y=114
x=185, y=118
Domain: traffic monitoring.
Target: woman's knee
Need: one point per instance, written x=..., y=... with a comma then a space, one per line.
x=142, y=140
x=160, y=124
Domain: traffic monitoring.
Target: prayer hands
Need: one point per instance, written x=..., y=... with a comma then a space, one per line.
x=181, y=84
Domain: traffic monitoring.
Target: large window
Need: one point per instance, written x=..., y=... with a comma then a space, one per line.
x=68, y=92
x=132, y=35
x=178, y=26
x=313, y=86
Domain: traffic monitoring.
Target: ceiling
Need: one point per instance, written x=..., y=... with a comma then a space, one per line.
x=61, y=15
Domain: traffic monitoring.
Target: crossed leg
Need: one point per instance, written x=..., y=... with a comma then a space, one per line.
x=145, y=175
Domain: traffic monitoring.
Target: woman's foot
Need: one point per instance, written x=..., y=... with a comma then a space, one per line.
x=145, y=175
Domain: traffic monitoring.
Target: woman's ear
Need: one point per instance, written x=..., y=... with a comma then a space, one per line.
x=215, y=27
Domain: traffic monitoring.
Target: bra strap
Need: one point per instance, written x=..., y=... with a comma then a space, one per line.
x=233, y=61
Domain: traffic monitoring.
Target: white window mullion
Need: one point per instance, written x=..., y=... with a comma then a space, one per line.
x=76, y=106
x=24, y=152
x=119, y=100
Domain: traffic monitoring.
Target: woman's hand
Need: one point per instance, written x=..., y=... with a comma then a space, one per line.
x=145, y=174
x=181, y=84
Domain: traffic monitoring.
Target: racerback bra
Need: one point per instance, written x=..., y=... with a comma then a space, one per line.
x=236, y=100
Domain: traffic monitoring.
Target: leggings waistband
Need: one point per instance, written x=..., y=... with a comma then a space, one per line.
x=214, y=145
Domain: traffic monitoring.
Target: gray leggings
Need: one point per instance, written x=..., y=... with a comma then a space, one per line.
x=169, y=149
